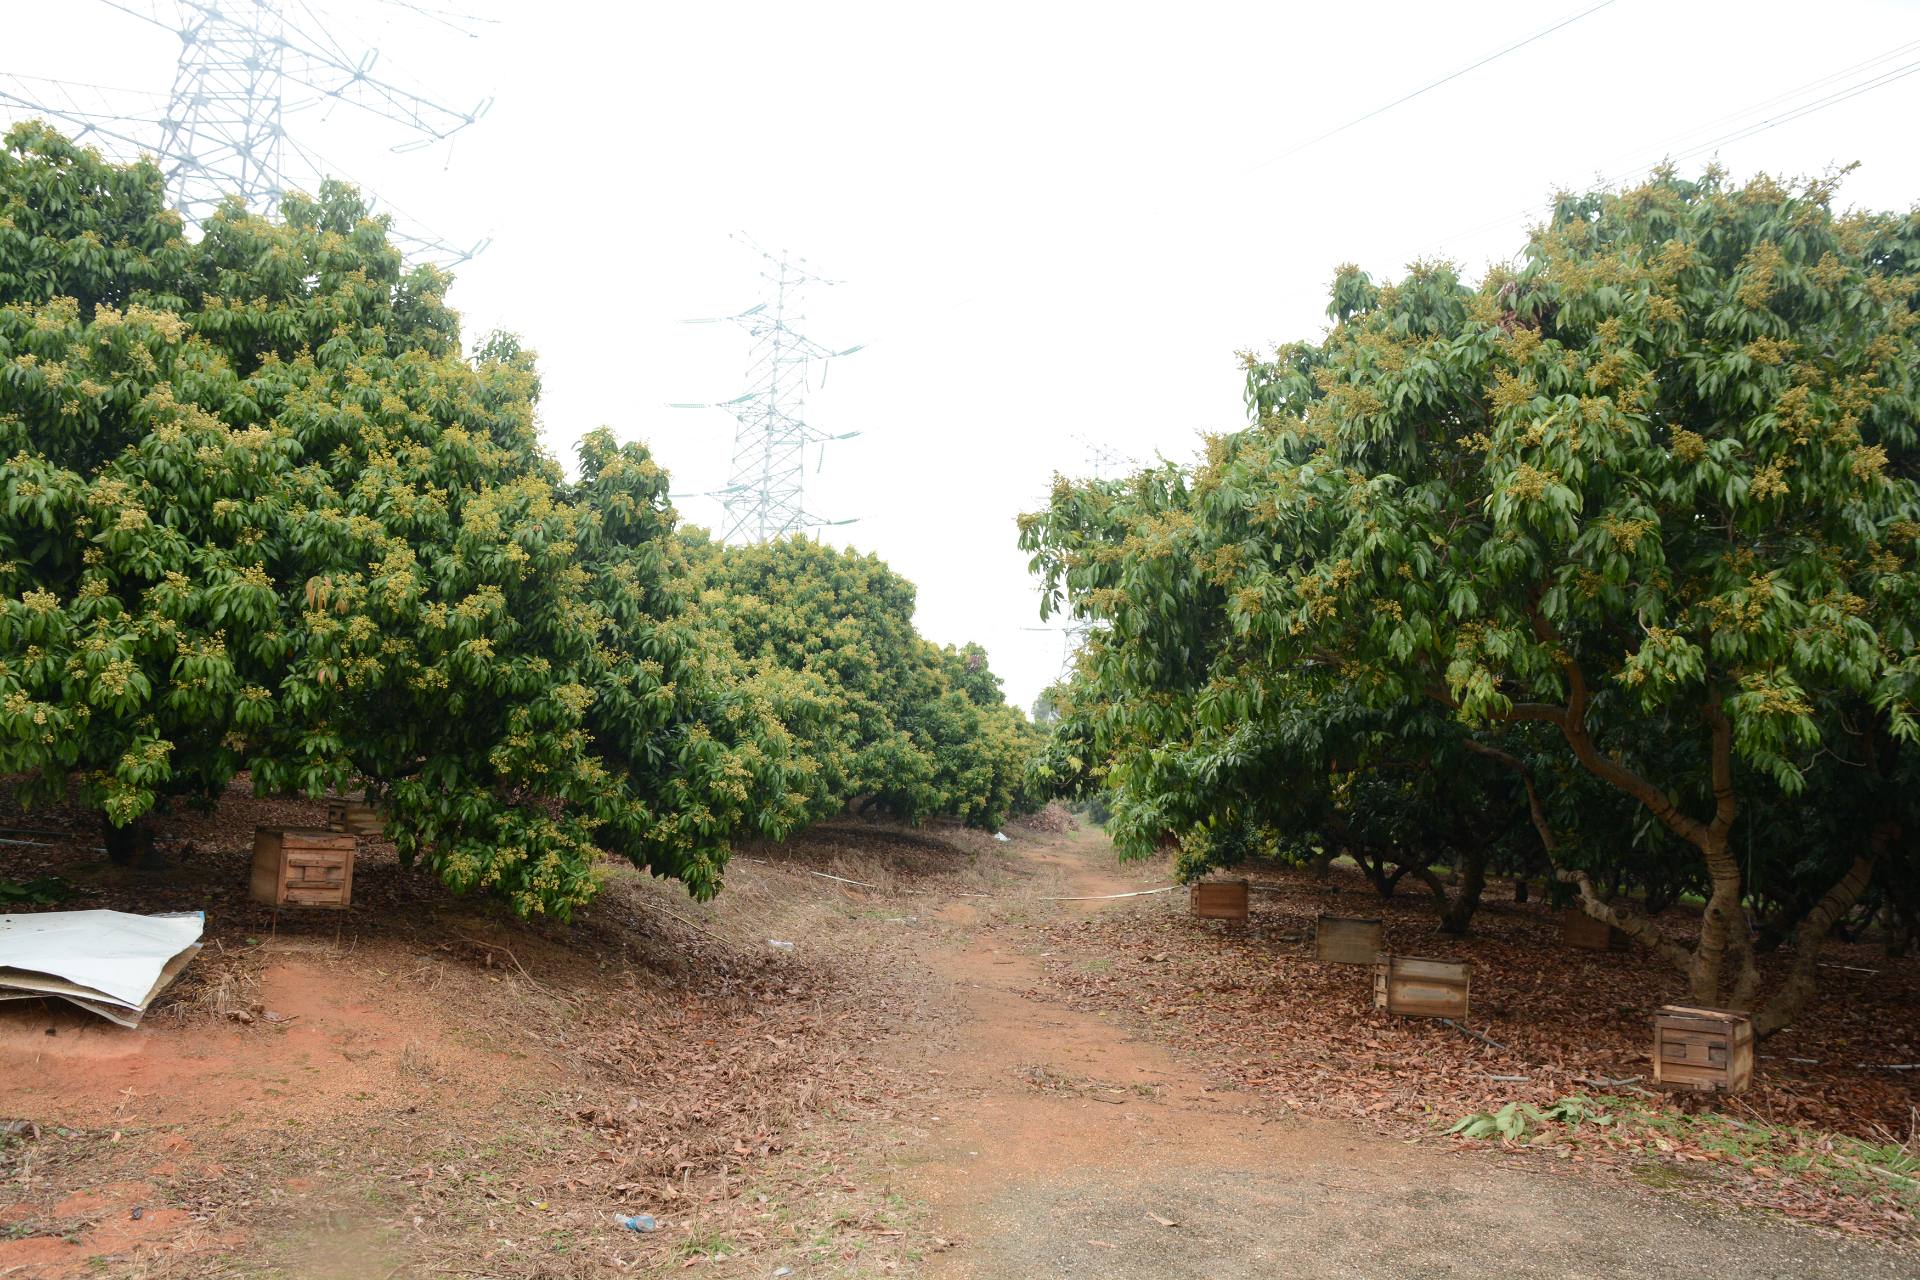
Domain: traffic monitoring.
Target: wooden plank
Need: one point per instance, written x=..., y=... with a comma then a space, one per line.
x=1578, y=929
x=1740, y=1059
x=346, y=877
x=334, y=842
x=1413, y=967
x=263, y=884
x=1219, y=900
x=1427, y=999
x=304, y=897
x=1347, y=939
x=1421, y=988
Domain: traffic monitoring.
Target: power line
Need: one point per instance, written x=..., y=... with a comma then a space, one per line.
x=1785, y=96
x=1751, y=129
x=67, y=86
x=1428, y=88
x=1832, y=100
x=1166, y=201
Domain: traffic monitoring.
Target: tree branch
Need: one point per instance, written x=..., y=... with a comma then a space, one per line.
x=1814, y=927
x=1725, y=805
x=1599, y=763
x=1631, y=923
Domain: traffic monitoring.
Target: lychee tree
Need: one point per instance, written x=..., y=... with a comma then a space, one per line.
x=260, y=513
x=891, y=722
x=1649, y=501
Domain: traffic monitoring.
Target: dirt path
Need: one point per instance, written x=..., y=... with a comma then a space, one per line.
x=440, y=1092
x=1071, y=1148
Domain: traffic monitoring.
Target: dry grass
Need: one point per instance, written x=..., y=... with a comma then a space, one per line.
x=222, y=984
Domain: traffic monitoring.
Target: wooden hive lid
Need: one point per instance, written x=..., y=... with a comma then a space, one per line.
x=320, y=836
x=1328, y=915
x=1697, y=1013
x=1423, y=966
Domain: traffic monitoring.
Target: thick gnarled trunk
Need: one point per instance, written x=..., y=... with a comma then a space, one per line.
x=1813, y=929
x=1456, y=906
x=1723, y=925
x=1592, y=901
x=1725, y=931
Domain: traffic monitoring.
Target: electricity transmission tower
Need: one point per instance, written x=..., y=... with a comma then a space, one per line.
x=763, y=498
x=231, y=123
x=1104, y=462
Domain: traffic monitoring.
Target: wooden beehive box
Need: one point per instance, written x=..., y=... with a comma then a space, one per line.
x=1704, y=1049
x=1219, y=900
x=1346, y=939
x=1421, y=988
x=296, y=867
x=1578, y=929
x=357, y=816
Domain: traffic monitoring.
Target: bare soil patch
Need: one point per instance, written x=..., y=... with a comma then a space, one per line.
x=1080, y=1140
x=422, y=1086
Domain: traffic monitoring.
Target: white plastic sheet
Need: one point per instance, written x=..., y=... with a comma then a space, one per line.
x=112, y=963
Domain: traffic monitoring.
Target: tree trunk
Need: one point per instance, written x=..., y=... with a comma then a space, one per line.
x=1798, y=988
x=1628, y=922
x=1902, y=919
x=1522, y=889
x=127, y=845
x=1456, y=907
x=1723, y=928
x=1458, y=916
x=1374, y=867
x=1724, y=925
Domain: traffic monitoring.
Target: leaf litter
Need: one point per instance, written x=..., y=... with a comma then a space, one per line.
x=1554, y=1059
x=546, y=1080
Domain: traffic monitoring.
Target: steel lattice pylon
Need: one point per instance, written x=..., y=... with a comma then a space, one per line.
x=244, y=69
x=764, y=496
x=223, y=132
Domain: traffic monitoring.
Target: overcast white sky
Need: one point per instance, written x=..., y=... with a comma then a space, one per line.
x=1052, y=222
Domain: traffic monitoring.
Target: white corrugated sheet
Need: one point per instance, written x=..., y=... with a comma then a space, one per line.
x=112, y=963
